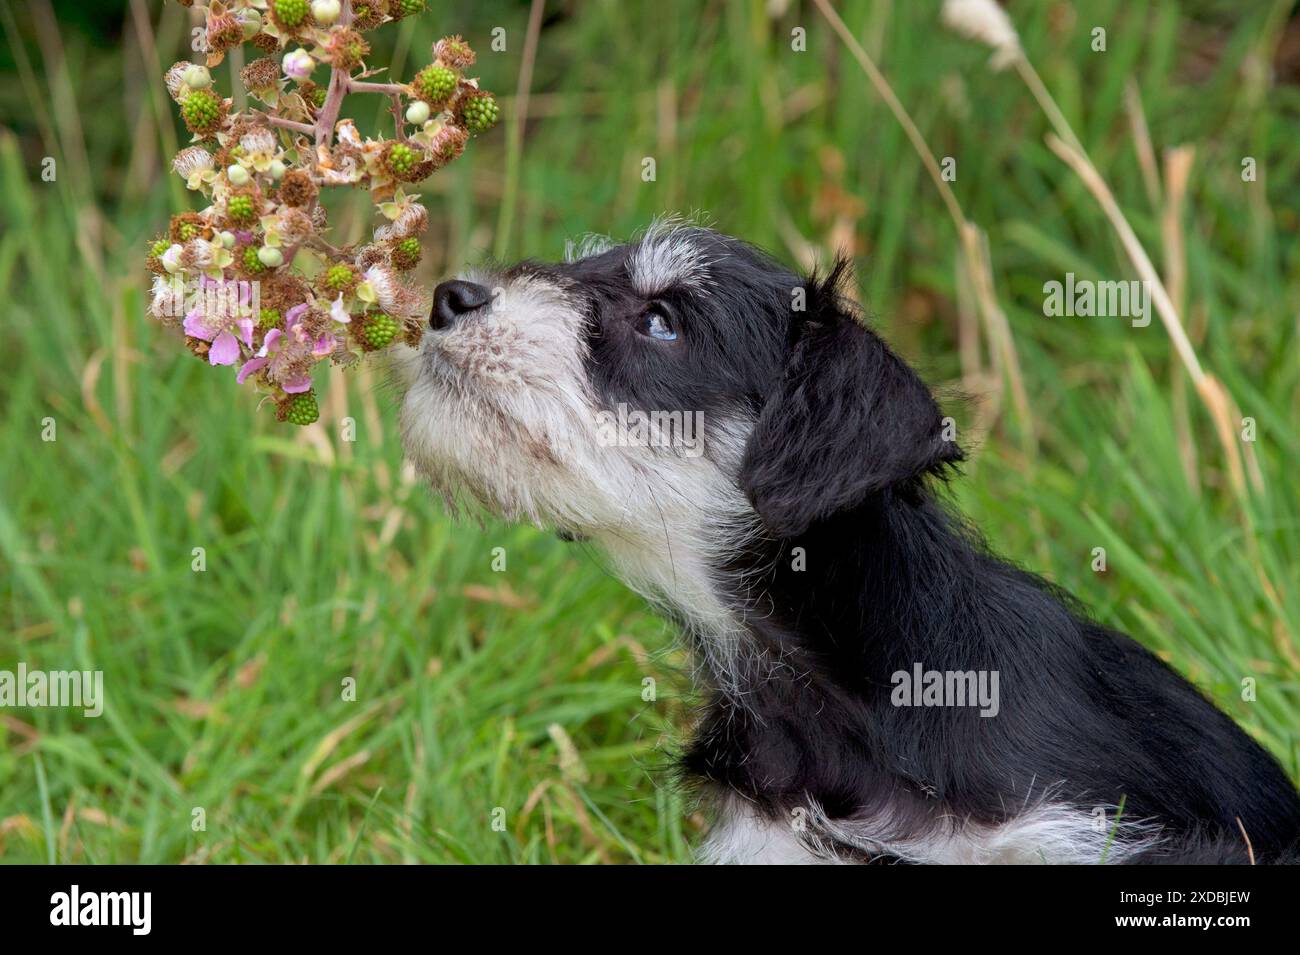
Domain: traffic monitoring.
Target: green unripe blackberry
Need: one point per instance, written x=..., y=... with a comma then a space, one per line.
x=301, y=409
x=182, y=228
x=241, y=209
x=202, y=111
x=480, y=112
x=339, y=278
x=406, y=253
x=380, y=330
x=252, y=264
x=153, y=257
x=408, y=8
x=290, y=12
x=435, y=84
x=402, y=159
x=268, y=318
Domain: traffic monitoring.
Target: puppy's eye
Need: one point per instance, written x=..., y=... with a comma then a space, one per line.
x=657, y=325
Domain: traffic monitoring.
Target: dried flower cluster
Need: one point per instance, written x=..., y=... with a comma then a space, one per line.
x=251, y=279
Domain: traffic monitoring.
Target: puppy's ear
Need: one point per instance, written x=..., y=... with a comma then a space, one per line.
x=848, y=419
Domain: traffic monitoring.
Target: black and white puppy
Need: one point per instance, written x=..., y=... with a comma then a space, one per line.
x=756, y=461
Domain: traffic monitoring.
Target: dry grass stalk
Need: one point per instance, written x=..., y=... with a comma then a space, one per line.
x=986, y=22
x=1213, y=394
x=1146, y=153
x=973, y=243
x=1178, y=167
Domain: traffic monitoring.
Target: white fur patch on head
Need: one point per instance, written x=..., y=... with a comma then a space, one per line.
x=668, y=255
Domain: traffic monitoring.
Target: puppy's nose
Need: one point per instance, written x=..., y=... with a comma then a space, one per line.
x=453, y=299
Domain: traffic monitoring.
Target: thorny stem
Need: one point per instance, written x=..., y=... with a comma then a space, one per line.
x=292, y=251
x=341, y=84
x=329, y=113
x=338, y=88
x=398, y=120
x=289, y=124
x=358, y=86
x=317, y=241
x=393, y=91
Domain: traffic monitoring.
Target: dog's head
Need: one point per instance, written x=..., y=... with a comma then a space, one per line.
x=684, y=377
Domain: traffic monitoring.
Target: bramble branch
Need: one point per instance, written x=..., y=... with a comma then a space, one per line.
x=391, y=89
x=261, y=193
x=281, y=123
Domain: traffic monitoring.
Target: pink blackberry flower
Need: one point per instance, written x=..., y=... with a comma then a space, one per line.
x=221, y=332
x=286, y=354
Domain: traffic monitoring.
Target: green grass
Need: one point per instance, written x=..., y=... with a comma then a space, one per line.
x=325, y=560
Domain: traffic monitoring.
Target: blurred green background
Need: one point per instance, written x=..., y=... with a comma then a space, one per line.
x=517, y=696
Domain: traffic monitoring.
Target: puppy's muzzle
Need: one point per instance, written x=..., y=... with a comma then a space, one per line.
x=454, y=300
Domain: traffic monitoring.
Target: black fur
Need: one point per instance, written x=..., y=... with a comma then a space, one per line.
x=841, y=462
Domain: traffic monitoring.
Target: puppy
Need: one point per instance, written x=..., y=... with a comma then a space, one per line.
x=759, y=464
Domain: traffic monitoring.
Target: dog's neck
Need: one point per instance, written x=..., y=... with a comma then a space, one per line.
x=837, y=598
x=860, y=590
x=854, y=598
x=845, y=597
x=675, y=567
